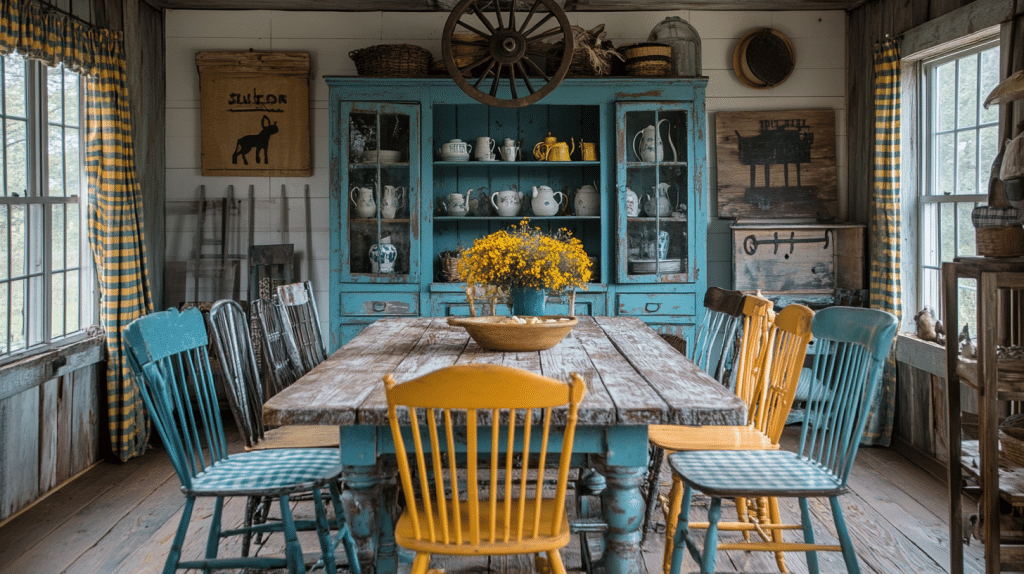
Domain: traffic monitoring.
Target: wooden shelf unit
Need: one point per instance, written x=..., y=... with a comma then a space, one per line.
x=986, y=466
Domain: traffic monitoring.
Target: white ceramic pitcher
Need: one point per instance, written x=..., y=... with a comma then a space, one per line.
x=391, y=201
x=507, y=202
x=650, y=148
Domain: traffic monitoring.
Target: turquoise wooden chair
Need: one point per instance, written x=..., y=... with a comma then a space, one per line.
x=713, y=349
x=853, y=346
x=167, y=353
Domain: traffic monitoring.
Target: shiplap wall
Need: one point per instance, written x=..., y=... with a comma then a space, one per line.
x=281, y=213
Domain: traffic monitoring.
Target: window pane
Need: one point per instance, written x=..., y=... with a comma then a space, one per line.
x=929, y=235
x=967, y=91
x=57, y=305
x=72, y=174
x=17, y=158
x=56, y=161
x=965, y=230
x=5, y=326
x=71, y=115
x=988, y=147
x=14, y=86
x=945, y=99
x=947, y=239
x=966, y=163
x=5, y=249
x=54, y=95
x=71, y=221
x=17, y=312
x=930, y=288
x=968, y=305
x=72, y=311
x=57, y=227
x=19, y=251
x=989, y=80
x=944, y=169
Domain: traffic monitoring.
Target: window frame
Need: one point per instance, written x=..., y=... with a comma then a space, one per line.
x=922, y=199
x=39, y=335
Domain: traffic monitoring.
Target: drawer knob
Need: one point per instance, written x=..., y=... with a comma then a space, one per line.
x=379, y=306
x=652, y=307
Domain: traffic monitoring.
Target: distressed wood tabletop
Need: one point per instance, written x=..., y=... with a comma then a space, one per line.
x=633, y=376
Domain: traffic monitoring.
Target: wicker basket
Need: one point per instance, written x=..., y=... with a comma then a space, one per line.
x=392, y=61
x=647, y=59
x=1000, y=241
x=450, y=267
x=1011, y=439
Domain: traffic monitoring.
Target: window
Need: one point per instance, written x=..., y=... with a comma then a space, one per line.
x=960, y=141
x=45, y=289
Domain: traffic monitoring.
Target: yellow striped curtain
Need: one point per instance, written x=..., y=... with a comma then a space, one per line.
x=115, y=204
x=885, y=227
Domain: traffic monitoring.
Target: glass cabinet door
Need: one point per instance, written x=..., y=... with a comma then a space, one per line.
x=380, y=192
x=655, y=192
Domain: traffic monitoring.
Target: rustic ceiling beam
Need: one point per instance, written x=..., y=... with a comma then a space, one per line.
x=444, y=5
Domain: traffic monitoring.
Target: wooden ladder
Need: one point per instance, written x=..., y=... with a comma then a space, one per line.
x=218, y=264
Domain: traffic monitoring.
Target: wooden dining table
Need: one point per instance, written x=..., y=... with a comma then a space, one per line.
x=634, y=379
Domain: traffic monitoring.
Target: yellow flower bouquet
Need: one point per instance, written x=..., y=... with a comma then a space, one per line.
x=524, y=257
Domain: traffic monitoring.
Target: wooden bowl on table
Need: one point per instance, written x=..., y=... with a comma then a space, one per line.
x=501, y=334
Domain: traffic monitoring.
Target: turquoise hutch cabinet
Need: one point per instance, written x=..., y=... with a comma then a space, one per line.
x=395, y=198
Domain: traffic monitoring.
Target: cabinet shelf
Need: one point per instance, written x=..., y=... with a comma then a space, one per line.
x=652, y=164
x=358, y=166
x=515, y=217
x=384, y=221
x=506, y=164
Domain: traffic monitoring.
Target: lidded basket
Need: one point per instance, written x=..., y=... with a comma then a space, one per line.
x=685, y=43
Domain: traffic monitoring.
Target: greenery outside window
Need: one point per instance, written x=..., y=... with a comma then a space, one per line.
x=46, y=280
x=960, y=139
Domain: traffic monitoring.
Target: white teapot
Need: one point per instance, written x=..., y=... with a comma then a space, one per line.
x=588, y=200
x=455, y=150
x=507, y=202
x=545, y=202
x=650, y=149
x=658, y=204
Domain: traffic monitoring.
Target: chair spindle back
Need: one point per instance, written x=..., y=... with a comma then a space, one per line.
x=302, y=322
x=168, y=358
x=483, y=424
x=852, y=347
x=757, y=321
x=242, y=383
x=715, y=342
x=788, y=337
x=283, y=362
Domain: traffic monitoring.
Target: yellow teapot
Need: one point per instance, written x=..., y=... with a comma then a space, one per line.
x=553, y=150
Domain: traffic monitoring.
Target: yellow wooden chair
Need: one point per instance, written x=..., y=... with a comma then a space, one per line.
x=767, y=382
x=488, y=499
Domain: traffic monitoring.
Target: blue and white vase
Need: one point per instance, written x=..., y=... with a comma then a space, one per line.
x=663, y=239
x=383, y=256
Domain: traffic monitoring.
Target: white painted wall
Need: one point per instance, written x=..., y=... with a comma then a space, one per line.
x=281, y=214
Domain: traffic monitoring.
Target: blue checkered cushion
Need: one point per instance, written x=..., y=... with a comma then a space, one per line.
x=285, y=470
x=754, y=472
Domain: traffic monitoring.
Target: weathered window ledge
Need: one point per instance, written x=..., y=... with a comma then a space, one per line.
x=37, y=368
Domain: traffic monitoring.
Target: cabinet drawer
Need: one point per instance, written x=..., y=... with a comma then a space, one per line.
x=643, y=304
x=380, y=304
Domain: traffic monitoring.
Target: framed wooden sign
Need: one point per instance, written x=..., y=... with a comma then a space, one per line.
x=777, y=164
x=254, y=110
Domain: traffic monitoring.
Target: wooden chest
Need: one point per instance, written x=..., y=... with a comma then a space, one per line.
x=797, y=258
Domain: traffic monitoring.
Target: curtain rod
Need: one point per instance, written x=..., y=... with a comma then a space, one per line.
x=47, y=7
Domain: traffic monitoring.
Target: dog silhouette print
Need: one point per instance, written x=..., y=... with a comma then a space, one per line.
x=258, y=141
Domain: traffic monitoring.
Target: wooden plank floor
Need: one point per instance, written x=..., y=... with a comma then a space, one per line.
x=120, y=519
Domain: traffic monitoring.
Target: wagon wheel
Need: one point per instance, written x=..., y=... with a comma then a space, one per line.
x=508, y=49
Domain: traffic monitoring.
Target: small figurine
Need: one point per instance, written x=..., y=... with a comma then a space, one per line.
x=929, y=328
x=967, y=348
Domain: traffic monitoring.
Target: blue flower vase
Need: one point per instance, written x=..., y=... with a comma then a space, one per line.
x=527, y=301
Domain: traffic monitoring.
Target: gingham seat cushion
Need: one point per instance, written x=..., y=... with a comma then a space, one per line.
x=754, y=472
x=294, y=469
